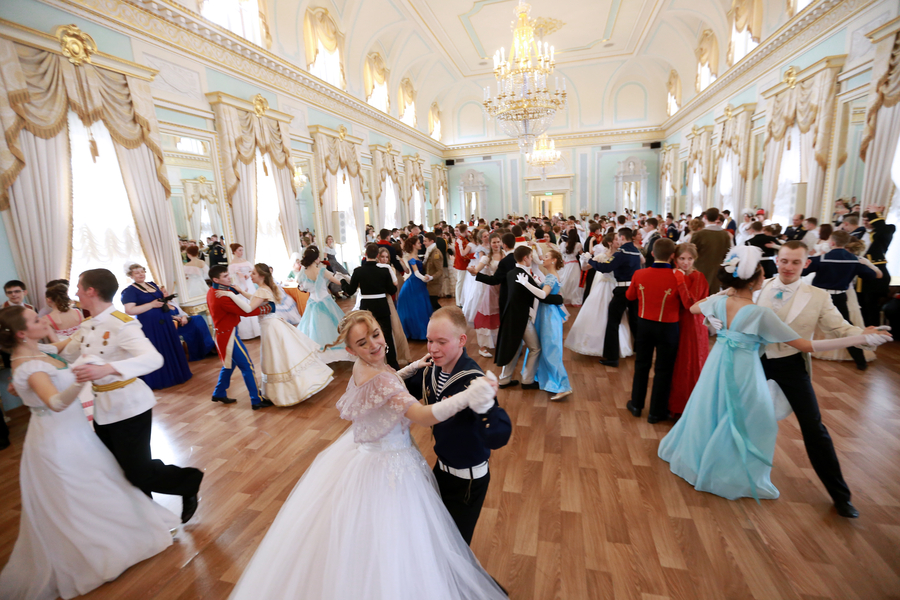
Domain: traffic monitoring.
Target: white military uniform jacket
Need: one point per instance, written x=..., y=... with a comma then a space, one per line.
x=806, y=309
x=114, y=338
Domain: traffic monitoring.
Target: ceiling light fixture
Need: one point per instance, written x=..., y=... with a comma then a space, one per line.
x=544, y=154
x=524, y=106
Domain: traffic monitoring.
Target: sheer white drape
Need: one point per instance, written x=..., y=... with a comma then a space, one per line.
x=104, y=235
x=418, y=205
x=878, y=187
x=790, y=171
x=730, y=186
x=390, y=201
x=697, y=193
x=270, y=246
x=348, y=199
x=287, y=206
x=243, y=208
x=37, y=224
x=328, y=66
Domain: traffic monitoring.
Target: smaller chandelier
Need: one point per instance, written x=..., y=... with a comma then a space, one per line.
x=544, y=154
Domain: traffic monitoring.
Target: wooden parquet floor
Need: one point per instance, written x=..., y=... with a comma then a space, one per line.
x=579, y=507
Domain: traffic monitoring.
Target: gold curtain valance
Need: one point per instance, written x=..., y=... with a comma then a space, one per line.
x=884, y=90
x=333, y=154
x=407, y=94
x=670, y=156
x=434, y=117
x=439, y=175
x=374, y=73
x=384, y=164
x=196, y=191
x=318, y=26
x=748, y=14
x=699, y=153
x=708, y=51
x=37, y=89
x=414, y=177
x=673, y=85
x=734, y=134
x=802, y=104
x=241, y=132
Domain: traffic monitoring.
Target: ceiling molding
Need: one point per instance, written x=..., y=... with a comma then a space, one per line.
x=589, y=138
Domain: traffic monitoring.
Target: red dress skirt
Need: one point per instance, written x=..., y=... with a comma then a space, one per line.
x=693, y=344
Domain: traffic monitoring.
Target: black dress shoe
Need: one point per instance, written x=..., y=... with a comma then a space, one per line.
x=224, y=400
x=651, y=419
x=609, y=363
x=862, y=366
x=633, y=409
x=4, y=443
x=511, y=383
x=846, y=510
x=188, y=507
x=531, y=386
x=264, y=403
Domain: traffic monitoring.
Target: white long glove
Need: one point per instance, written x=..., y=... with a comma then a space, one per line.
x=420, y=276
x=389, y=270
x=476, y=393
x=60, y=401
x=716, y=323
x=871, y=340
x=522, y=278
x=482, y=404
x=241, y=302
x=413, y=367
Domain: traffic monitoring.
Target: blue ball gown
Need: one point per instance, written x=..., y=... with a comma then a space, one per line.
x=414, y=305
x=550, y=372
x=160, y=330
x=724, y=442
x=197, y=338
x=321, y=316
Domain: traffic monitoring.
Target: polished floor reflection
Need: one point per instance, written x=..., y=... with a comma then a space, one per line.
x=579, y=507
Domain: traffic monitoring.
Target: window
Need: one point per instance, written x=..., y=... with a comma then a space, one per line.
x=191, y=146
x=103, y=232
x=407, y=102
x=741, y=45
x=726, y=181
x=673, y=101
x=380, y=98
x=434, y=122
x=707, y=60
x=323, y=42
x=391, y=218
x=409, y=115
x=238, y=16
x=270, y=247
x=375, y=76
x=797, y=6
x=350, y=250
x=704, y=77
x=791, y=172
x=696, y=196
x=417, y=203
x=443, y=204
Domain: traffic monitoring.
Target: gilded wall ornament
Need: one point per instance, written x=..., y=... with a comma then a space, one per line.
x=75, y=44
x=790, y=77
x=342, y=132
x=729, y=111
x=260, y=105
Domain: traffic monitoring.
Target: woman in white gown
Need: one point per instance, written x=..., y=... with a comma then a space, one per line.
x=240, y=269
x=366, y=522
x=588, y=330
x=570, y=276
x=196, y=272
x=82, y=523
x=471, y=288
x=291, y=369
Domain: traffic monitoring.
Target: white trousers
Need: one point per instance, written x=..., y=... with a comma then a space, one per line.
x=460, y=280
x=531, y=341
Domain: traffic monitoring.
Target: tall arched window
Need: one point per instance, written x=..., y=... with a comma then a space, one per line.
x=407, y=102
x=375, y=82
x=237, y=16
x=707, y=60
x=746, y=27
x=673, y=101
x=796, y=6
x=434, y=121
x=324, y=41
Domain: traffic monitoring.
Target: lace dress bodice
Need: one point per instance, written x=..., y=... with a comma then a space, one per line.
x=377, y=409
x=318, y=289
x=267, y=295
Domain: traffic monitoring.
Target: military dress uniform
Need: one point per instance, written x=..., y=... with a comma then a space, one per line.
x=462, y=443
x=123, y=403
x=622, y=264
x=874, y=290
x=795, y=234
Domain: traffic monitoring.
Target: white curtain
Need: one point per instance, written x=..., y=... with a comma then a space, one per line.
x=730, y=185
x=346, y=197
x=287, y=206
x=878, y=188
x=270, y=246
x=791, y=170
x=697, y=194
x=40, y=202
x=389, y=204
x=893, y=212
x=243, y=208
x=774, y=152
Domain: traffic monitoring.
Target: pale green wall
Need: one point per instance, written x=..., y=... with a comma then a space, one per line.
x=217, y=81
x=494, y=173
x=317, y=117
x=173, y=116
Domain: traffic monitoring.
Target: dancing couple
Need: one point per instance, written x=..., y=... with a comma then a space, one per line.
x=366, y=520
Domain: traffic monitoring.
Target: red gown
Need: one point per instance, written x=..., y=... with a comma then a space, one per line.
x=693, y=345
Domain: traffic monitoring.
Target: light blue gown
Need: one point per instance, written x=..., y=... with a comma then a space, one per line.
x=322, y=314
x=724, y=442
x=551, y=373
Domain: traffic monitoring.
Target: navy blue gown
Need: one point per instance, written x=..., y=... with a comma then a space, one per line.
x=160, y=330
x=414, y=305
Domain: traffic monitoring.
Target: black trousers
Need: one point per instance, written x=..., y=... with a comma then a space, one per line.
x=589, y=282
x=840, y=303
x=872, y=297
x=617, y=307
x=463, y=499
x=4, y=430
x=388, y=332
x=790, y=374
x=662, y=337
x=435, y=305
x=129, y=441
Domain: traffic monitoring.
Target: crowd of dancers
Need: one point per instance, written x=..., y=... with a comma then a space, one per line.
x=656, y=288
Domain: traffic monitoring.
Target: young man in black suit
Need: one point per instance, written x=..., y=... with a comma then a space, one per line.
x=374, y=285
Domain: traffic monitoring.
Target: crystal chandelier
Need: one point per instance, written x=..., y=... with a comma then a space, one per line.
x=544, y=154
x=524, y=106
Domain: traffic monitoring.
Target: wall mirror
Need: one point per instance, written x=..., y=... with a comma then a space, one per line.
x=306, y=197
x=197, y=202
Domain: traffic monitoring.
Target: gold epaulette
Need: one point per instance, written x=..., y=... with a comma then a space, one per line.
x=122, y=316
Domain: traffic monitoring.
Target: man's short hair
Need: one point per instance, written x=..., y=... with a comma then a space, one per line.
x=852, y=219
x=626, y=233
x=430, y=236
x=794, y=245
x=712, y=214
x=372, y=251
x=462, y=227
x=216, y=271
x=454, y=315
x=756, y=226
x=621, y=219
x=509, y=240
x=839, y=238
x=14, y=283
x=101, y=280
x=384, y=234
x=726, y=212
x=653, y=222
x=517, y=230
x=813, y=220
x=521, y=252
x=663, y=249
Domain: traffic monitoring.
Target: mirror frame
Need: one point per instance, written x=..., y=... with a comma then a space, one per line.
x=300, y=156
x=842, y=119
x=168, y=128
x=755, y=132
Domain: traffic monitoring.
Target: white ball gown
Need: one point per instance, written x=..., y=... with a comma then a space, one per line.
x=240, y=278
x=589, y=329
x=291, y=369
x=570, y=278
x=366, y=522
x=82, y=522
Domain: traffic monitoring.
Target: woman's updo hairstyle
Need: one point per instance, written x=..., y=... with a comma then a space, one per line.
x=12, y=321
x=309, y=256
x=409, y=245
x=558, y=261
x=234, y=247
x=741, y=268
x=131, y=267
x=353, y=318
x=59, y=295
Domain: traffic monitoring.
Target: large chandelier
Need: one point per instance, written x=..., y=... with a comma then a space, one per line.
x=544, y=154
x=524, y=106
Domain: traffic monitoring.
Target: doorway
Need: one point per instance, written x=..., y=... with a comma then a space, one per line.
x=547, y=203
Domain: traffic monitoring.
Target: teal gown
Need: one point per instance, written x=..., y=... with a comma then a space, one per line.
x=724, y=442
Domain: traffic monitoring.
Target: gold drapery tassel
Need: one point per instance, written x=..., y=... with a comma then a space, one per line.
x=789, y=143
x=92, y=144
x=265, y=169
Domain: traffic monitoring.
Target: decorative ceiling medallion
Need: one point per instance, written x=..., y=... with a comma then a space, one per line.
x=75, y=44
x=260, y=105
x=342, y=132
x=790, y=76
x=546, y=25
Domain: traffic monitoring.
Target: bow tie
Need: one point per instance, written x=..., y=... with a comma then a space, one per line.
x=782, y=290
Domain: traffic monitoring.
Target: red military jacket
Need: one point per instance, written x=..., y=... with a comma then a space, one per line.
x=226, y=316
x=657, y=291
x=460, y=260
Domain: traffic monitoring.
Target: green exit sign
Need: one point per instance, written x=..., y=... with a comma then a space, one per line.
x=548, y=193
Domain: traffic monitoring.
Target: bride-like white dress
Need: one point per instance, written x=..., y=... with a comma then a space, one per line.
x=366, y=522
x=82, y=522
x=589, y=329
